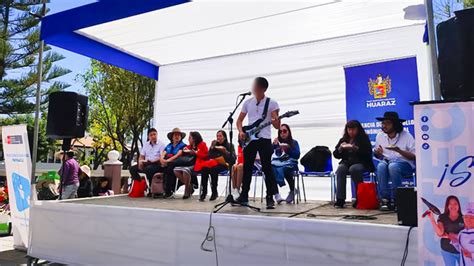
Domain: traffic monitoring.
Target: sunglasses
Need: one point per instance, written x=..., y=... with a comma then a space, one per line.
x=284, y=131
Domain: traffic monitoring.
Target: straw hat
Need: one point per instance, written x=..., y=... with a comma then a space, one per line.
x=60, y=154
x=175, y=130
x=86, y=170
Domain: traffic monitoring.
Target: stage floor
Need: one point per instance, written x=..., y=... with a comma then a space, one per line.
x=321, y=210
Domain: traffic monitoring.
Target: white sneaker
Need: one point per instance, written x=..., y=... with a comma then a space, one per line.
x=235, y=193
x=278, y=198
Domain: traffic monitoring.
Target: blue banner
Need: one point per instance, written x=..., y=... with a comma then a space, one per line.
x=373, y=89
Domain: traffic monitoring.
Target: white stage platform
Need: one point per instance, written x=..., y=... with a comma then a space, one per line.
x=123, y=231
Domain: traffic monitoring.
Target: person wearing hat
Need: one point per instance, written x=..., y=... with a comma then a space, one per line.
x=69, y=173
x=395, y=148
x=149, y=161
x=172, y=151
x=85, y=183
x=466, y=237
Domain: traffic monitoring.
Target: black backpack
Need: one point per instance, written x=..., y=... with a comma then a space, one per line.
x=316, y=159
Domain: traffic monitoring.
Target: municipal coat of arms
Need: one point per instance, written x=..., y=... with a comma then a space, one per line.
x=380, y=87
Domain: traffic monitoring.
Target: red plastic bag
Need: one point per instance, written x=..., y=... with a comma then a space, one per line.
x=138, y=189
x=367, y=196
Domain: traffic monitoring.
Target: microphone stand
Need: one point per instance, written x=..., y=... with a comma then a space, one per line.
x=229, y=198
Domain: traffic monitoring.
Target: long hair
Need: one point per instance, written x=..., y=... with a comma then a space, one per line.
x=196, y=137
x=226, y=141
x=446, y=205
x=289, y=140
x=361, y=135
x=397, y=126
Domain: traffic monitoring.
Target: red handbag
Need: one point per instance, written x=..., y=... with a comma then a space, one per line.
x=138, y=189
x=367, y=196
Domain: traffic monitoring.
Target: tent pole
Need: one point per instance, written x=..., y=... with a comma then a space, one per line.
x=38, y=103
x=433, y=50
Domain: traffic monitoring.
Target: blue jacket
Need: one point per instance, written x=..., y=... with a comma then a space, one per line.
x=293, y=152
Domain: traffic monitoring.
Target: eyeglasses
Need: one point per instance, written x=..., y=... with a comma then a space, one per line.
x=284, y=131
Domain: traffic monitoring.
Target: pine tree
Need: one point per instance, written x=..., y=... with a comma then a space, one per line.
x=19, y=44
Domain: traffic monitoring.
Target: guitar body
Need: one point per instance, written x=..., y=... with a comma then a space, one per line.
x=251, y=135
x=252, y=131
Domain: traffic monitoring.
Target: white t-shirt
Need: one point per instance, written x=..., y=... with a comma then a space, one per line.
x=152, y=152
x=254, y=112
x=404, y=140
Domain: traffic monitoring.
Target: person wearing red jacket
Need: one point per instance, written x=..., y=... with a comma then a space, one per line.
x=198, y=149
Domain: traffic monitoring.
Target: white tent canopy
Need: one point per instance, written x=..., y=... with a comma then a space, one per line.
x=204, y=29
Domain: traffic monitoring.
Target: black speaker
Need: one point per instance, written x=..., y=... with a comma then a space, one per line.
x=456, y=56
x=67, y=115
x=407, y=206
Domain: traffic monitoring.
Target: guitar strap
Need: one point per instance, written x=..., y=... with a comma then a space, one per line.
x=264, y=115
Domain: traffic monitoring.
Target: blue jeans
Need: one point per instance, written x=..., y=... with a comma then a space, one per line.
x=450, y=259
x=394, y=172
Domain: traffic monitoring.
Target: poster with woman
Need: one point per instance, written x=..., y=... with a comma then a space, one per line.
x=445, y=167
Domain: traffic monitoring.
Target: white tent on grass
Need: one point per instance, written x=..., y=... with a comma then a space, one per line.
x=204, y=53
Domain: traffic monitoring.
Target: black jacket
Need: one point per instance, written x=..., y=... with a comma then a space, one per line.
x=229, y=156
x=362, y=155
x=85, y=188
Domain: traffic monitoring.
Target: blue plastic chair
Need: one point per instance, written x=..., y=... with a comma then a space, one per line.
x=407, y=181
x=328, y=172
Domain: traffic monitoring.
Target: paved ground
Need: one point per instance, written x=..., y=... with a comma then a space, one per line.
x=9, y=256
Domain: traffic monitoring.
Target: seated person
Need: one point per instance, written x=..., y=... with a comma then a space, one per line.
x=149, y=159
x=221, y=155
x=237, y=174
x=85, y=183
x=395, y=148
x=103, y=188
x=197, y=149
x=355, y=151
x=169, y=157
x=285, y=161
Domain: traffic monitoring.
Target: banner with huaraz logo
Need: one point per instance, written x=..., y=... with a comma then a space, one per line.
x=375, y=88
x=445, y=168
x=16, y=151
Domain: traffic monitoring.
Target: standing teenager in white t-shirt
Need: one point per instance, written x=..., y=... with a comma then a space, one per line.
x=254, y=109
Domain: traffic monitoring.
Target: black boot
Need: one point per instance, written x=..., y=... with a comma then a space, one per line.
x=214, y=187
x=339, y=204
x=214, y=194
x=203, y=195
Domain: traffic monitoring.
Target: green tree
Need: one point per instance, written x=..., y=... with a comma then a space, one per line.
x=19, y=44
x=444, y=9
x=44, y=144
x=121, y=105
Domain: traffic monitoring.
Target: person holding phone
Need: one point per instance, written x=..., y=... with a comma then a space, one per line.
x=355, y=152
x=222, y=156
x=198, y=150
x=285, y=162
x=395, y=150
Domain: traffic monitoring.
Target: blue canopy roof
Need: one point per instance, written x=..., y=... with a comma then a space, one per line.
x=60, y=30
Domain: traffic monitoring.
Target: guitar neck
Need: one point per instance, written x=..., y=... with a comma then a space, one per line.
x=266, y=124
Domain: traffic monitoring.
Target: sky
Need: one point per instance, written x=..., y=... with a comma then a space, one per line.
x=78, y=64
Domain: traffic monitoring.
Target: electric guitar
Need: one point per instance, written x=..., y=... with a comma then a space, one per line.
x=252, y=132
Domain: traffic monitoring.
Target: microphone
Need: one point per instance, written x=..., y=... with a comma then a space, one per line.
x=245, y=94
